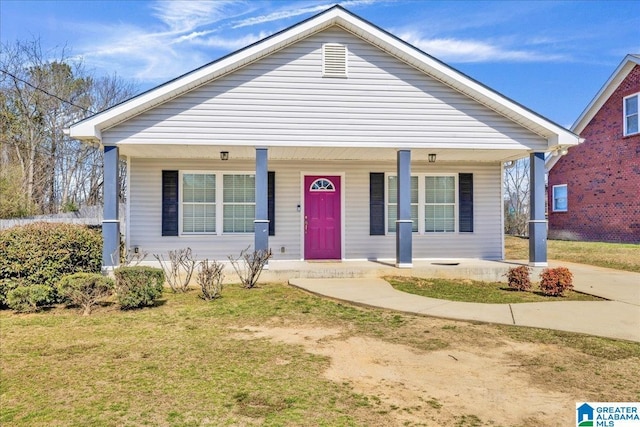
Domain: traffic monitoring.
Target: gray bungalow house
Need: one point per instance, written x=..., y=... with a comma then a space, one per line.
x=330, y=140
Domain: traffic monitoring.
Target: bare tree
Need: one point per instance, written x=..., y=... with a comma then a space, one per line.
x=516, y=197
x=41, y=93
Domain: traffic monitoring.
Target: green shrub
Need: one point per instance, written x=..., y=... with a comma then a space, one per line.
x=518, y=278
x=85, y=290
x=30, y=298
x=554, y=281
x=41, y=253
x=7, y=285
x=138, y=286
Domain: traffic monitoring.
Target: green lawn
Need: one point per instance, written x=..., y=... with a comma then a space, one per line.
x=611, y=255
x=476, y=291
x=181, y=363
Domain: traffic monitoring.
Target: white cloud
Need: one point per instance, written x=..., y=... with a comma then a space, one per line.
x=461, y=50
x=185, y=16
x=289, y=13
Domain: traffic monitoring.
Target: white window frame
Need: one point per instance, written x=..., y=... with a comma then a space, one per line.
x=455, y=202
x=625, y=116
x=422, y=203
x=181, y=202
x=554, y=198
x=219, y=203
x=223, y=203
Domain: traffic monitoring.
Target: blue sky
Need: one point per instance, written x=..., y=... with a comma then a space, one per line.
x=551, y=56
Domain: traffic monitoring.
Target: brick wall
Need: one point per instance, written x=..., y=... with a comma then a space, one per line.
x=602, y=176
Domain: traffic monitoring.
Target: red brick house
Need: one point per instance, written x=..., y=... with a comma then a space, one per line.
x=594, y=190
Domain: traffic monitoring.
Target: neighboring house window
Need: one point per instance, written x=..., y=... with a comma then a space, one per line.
x=433, y=203
x=200, y=210
x=560, y=198
x=239, y=203
x=440, y=204
x=631, y=114
x=198, y=203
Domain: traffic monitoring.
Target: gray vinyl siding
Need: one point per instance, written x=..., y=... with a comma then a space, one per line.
x=283, y=100
x=145, y=212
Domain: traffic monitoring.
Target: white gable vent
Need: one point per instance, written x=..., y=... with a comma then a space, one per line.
x=334, y=60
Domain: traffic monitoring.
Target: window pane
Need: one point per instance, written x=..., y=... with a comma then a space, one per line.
x=393, y=189
x=631, y=105
x=239, y=188
x=187, y=218
x=414, y=189
x=392, y=216
x=632, y=124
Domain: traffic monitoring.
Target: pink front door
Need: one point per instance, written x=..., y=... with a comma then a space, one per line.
x=322, y=222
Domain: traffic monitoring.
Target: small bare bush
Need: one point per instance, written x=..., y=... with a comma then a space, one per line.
x=210, y=277
x=518, y=278
x=132, y=259
x=179, y=261
x=249, y=266
x=85, y=290
x=554, y=281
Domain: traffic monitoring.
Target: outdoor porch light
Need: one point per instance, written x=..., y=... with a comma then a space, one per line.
x=564, y=151
x=224, y=155
x=432, y=158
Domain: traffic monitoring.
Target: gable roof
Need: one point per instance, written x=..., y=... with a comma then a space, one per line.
x=605, y=92
x=91, y=127
x=618, y=76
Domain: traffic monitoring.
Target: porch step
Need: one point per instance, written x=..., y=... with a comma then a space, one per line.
x=282, y=271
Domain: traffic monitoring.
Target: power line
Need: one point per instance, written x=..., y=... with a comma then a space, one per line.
x=66, y=101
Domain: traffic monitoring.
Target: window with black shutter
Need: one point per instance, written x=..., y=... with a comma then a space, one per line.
x=376, y=204
x=169, y=203
x=465, y=196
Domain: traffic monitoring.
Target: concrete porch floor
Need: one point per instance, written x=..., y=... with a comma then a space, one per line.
x=475, y=269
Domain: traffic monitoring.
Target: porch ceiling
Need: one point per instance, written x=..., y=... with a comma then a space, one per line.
x=318, y=153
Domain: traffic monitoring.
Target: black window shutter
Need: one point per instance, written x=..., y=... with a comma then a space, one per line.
x=271, y=202
x=169, y=203
x=376, y=204
x=465, y=195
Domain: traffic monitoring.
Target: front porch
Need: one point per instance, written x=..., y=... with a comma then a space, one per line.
x=474, y=269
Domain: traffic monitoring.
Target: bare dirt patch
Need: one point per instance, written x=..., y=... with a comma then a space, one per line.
x=470, y=386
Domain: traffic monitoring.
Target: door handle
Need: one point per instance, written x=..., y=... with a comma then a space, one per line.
x=306, y=224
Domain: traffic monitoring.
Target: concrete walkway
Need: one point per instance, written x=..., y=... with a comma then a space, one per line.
x=617, y=318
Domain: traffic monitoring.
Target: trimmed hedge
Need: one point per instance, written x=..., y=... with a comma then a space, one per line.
x=85, y=290
x=6, y=286
x=30, y=298
x=138, y=286
x=41, y=253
